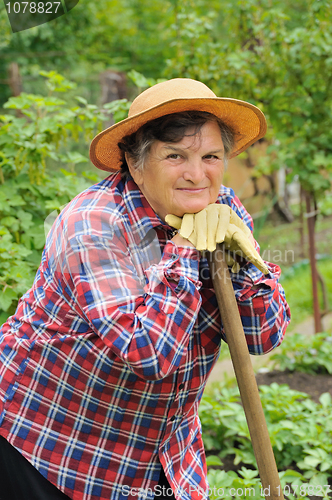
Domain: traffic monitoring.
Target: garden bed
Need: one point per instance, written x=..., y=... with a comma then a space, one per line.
x=312, y=384
x=297, y=399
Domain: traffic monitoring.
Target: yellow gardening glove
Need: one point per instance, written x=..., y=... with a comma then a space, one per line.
x=218, y=224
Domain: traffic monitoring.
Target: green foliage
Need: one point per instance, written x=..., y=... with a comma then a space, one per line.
x=42, y=130
x=141, y=81
x=119, y=109
x=308, y=354
x=24, y=207
x=16, y=272
x=281, y=244
x=277, y=56
x=246, y=482
x=36, y=149
x=325, y=205
x=92, y=37
x=300, y=432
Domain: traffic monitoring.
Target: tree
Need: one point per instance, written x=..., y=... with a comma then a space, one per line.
x=92, y=37
x=284, y=65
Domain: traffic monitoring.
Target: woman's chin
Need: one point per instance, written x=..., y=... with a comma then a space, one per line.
x=191, y=208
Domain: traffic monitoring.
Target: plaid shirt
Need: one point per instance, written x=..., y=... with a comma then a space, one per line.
x=104, y=363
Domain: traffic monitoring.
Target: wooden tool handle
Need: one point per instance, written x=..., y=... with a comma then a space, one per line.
x=245, y=376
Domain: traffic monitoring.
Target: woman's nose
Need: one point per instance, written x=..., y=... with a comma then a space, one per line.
x=195, y=171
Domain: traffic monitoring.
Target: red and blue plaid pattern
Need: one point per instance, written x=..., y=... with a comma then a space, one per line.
x=104, y=363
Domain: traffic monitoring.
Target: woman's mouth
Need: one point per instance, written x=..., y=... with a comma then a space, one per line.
x=192, y=190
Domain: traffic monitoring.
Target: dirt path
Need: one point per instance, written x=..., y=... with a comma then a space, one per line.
x=225, y=368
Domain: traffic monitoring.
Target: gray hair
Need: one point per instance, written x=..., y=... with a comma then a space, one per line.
x=170, y=128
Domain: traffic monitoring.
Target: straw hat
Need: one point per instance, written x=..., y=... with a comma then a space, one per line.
x=174, y=96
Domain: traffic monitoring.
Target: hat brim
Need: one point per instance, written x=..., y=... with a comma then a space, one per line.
x=246, y=120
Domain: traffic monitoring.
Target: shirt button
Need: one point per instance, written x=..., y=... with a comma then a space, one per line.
x=181, y=386
x=174, y=256
x=172, y=418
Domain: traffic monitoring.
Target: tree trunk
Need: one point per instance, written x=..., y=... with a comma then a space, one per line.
x=324, y=293
x=302, y=246
x=311, y=219
x=15, y=82
x=113, y=87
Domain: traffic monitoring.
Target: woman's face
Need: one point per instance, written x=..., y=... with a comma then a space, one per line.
x=183, y=177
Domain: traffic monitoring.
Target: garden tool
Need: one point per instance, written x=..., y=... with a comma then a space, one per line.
x=245, y=376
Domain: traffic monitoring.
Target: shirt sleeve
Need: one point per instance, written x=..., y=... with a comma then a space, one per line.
x=146, y=324
x=263, y=308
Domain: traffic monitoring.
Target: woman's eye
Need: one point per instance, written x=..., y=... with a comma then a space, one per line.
x=174, y=156
x=211, y=157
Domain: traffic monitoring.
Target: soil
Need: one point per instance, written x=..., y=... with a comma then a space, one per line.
x=314, y=385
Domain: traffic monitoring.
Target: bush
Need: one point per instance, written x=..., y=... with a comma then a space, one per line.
x=37, y=163
x=24, y=209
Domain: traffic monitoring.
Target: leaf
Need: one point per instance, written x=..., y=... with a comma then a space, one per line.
x=118, y=108
x=81, y=99
x=25, y=219
x=3, y=317
x=291, y=475
x=325, y=466
x=10, y=222
x=38, y=236
x=74, y=157
x=319, y=479
x=6, y=298
x=248, y=473
x=312, y=461
x=213, y=460
x=325, y=400
x=139, y=80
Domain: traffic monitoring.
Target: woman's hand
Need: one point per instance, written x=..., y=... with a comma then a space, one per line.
x=218, y=223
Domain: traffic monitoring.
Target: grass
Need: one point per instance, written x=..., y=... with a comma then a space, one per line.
x=281, y=244
x=297, y=285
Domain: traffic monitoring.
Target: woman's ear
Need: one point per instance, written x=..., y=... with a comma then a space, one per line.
x=134, y=172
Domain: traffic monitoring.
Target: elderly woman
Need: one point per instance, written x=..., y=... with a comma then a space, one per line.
x=104, y=363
